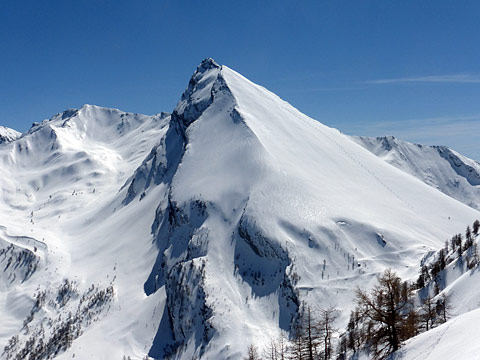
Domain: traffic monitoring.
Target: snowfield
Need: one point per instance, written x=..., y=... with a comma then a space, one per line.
x=198, y=233
x=456, y=339
x=437, y=166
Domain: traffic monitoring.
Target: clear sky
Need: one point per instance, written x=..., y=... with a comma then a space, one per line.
x=404, y=68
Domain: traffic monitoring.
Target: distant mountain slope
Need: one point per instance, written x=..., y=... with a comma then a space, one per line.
x=7, y=135
x=437, y=166
x=195, y=234
x=59, y=239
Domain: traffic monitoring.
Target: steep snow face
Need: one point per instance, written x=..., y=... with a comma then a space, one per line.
x=437, y=166
x=8, y=135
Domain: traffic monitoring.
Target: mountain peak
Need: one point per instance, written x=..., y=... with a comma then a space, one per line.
x=198, y=96
x=8, y=135
x=207, y=64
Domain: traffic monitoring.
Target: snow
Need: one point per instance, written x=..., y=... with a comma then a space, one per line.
x=457, y=281
x=211, y=224
x=59, y=186
x=456, y=339
x=8, y=135
x=437, y=166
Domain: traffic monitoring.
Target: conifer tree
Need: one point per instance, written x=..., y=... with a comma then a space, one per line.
x=476, y=225
x=387, y=309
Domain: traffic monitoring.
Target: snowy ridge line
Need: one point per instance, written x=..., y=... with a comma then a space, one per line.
x=8, y=135
x=161, y=164
x=437, y=166
x=463, y=166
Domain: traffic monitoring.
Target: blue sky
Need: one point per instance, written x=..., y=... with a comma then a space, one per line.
x=404, y=68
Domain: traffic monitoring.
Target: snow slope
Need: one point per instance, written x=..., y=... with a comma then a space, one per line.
x=458, y=281
x=456, y=339
x=437, y=166
x=58, y=186
x=203, y=231
x=8, y=135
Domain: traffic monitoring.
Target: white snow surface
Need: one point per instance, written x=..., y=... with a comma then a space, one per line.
x=456, y=339
x=8, y=135
x=457, y=281
x=438, y=166
x=211, y=224
x=58, y=194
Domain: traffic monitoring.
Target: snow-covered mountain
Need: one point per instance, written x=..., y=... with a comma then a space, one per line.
x=198, y=233
x=8, y=135
x=437, y=166
x=61, y=236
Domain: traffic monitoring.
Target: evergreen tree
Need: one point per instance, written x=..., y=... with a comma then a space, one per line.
x=476, y=225
x=453, y=243
x=475, y=255
x=468, y=233
x=441, y=259
x=468, y=238
x=423, y=278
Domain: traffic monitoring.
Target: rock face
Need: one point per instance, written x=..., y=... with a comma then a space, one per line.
x=203, y=231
